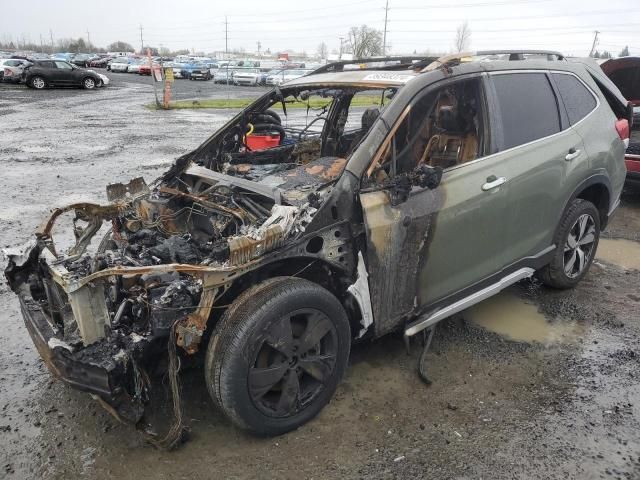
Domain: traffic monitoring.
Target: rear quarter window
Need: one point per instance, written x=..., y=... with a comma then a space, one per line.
x=527, y=106
x=577, y=98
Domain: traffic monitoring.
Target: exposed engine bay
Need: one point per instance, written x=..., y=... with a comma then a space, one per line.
x=168, y=252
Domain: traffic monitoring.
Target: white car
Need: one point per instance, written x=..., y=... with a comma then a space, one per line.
x=247, y=76
x=104, y=78
x=134, y=66
x=11, y=69
x=285, y=76
x=223, y=75
x=177, y=69
x=120, y=64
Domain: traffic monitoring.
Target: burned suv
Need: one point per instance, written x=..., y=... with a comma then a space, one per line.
x=339, y=207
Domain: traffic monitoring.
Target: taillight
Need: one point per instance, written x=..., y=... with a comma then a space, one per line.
x=622, y=127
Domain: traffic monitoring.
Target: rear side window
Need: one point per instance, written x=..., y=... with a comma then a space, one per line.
x=577, y=99
x=528, y=108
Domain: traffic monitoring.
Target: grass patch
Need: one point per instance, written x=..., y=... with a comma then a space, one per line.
x=222, y=103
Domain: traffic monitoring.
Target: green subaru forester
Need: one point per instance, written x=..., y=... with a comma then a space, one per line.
x=364, y=198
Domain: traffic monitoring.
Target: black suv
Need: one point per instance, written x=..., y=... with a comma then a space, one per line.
x=45, y=73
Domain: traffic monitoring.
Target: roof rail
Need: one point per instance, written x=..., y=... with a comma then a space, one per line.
x=514, y=55
x=393, y=63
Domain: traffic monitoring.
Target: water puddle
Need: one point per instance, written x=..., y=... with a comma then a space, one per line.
x=516, y=319
x=624, y=253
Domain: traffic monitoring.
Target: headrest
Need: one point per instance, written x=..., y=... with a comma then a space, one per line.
x=369, y=116
x=447, y=119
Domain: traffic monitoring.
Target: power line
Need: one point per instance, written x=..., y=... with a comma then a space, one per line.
x=471, y=5
x=493, y=18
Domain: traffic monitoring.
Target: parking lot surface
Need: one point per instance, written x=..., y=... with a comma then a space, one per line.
x=533, y=384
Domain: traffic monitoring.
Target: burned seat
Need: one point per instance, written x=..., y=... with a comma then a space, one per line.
x=454, y=140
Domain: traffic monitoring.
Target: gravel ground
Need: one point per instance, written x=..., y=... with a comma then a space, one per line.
x=498, y=408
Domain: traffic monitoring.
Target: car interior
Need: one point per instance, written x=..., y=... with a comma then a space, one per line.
x=442, y=129
x=300, y=127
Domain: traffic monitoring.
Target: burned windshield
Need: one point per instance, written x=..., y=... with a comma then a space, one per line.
x=293, y=129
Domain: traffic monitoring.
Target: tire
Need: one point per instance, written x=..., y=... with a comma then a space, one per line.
x=37, y=82
x=292, y=337
x=577, y=239
x=88, y=83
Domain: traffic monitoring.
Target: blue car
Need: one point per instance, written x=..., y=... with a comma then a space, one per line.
x=62, y=56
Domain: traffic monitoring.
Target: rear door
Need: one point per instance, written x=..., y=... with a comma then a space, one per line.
x=595, y=123
x=540, y=153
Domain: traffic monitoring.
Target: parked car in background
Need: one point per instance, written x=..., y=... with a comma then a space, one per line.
x=81, y=59
x=203, y=71
x=187, y=68
x=177, y=69
x=99, y=62
x=247, y=76
x=119, y=64
x=134, y=66
x=286, y=76
x=624, y=72
x=50, y=73
x=145, y=68
x=11, y=69
x=67, y=57
x=267, y=74
x=223, y=75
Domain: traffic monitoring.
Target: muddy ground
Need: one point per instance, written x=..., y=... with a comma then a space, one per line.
x=561, y=406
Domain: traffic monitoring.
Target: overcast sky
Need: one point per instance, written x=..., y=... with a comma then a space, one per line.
x=426, y=25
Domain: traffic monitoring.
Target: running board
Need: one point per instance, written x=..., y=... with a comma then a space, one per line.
x=466, y=302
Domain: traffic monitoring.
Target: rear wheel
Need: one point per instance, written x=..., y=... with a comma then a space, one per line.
x=37, y=82
x=576, y=240
x=89, y=83
x=277, y=355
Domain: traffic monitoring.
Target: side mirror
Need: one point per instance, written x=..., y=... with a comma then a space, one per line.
x=422, y=176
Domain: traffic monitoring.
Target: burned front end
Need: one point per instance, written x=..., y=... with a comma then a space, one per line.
x=144, y=274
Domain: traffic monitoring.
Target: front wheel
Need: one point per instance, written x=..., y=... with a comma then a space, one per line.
x=576, y=242
x=89, y=83
x=277, y=355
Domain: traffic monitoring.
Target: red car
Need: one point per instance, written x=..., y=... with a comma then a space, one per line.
x=145, y=69
x=625, y=73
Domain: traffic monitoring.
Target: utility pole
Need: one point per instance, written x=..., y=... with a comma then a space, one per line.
x=384, y=37
x=595, y=42
x=226, y=36
x=259, y=46
x=51, y=36
x=141, y=40
x=41, y=43
x=88, y=38
x=340, y=56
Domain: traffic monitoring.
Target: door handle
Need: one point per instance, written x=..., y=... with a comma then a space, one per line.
x=573, y=153
x=493, y=182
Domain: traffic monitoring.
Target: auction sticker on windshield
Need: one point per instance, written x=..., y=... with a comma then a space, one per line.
x=389, y=77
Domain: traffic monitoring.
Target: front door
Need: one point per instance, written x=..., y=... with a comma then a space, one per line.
x=438, y=241
x=63, y=73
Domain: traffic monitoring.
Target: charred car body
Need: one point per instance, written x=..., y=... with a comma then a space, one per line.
x=358, y=222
